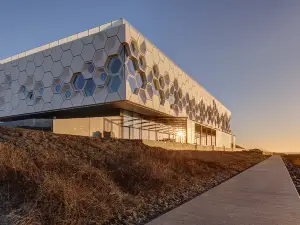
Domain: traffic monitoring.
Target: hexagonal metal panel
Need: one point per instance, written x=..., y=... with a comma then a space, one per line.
x=112, y=31
x=161, y=82
x=22, y=107
x=47, y=107
x=15, y=101
x=38, y=89
x=7, y=95
x=7, y=68
x=8, y=108
x=56, y=53
x=134, y=48
x=88, y=39
x=88, y=101
x=23, y=92
x=100, y=76
x=30, y=83
x=2, y=76
x=2, y=90
x=39, y=105
x=38, y=59
x=156, y=71
x=77, y=64
x=88, y=70
x=22, y=63
x=56, y=101
x=133, y=85
x=56, y=86
x=112, y=45
x=100, y=94
x=114, y=83
x=30, y=99
x=66, y=46
x=57, y=69
x=66, y=104
x=149, y=92
x=88, y=52
x=7, y=82
x=30, y=58
x=15, y=73
x=30, y=68
x=132, y=66
x=67, y=91
x=141, y=80
x=47, y=95
x=89, y=87
x=142, y=62
x=76, y=47
x=2, y=104
x=47, y=64
x=142, y=96
x=100, y=58
x=47, y=79
x=38, y=73
x=66, y=75
x=99, y=40
x=66, y=58
x=77, y=98
x=15, y=87
x=47, y=52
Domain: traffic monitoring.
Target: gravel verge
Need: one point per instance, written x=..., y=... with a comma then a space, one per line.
x=294, y=173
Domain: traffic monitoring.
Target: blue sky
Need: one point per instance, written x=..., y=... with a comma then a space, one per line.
x=246, y=53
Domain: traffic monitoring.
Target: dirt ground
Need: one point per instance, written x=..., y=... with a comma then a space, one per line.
x=292, y=163
x=47, y=178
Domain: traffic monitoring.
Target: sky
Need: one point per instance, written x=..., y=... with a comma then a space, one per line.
x=246, y=53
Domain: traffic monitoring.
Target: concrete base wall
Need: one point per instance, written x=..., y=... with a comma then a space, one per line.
x=183, y=146
x=224, y=140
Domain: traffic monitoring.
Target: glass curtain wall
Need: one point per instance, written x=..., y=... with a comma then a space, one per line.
x=136, y=126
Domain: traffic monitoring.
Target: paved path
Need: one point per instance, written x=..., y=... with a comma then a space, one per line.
x=261, y=195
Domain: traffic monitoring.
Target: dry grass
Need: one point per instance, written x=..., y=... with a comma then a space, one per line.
x=294, y=158
x=62, y=179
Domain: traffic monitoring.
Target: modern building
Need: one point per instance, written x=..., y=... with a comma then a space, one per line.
x=110, y=81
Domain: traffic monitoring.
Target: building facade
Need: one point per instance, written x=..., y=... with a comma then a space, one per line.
x=111, y=80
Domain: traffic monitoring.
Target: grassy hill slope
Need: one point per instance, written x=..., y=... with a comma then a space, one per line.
x=47, y=178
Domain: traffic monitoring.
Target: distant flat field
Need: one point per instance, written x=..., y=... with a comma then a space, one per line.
x=47, y=178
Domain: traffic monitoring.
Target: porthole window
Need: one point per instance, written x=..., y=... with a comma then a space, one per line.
x=133, y=85
x=123, y=53
x=68, y=94
x=56, y=86
x=31, y=96
x=100, y=76
x=89, y=87
x=78, y=82
x=156, y=71
x=134, y=48
x=142, y=62
x=114, y=65
x=67, y=91
x=88, y=70
x=114, y=83
x=132, y=66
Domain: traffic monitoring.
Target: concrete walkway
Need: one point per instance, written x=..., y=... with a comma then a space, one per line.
x=263, y=194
